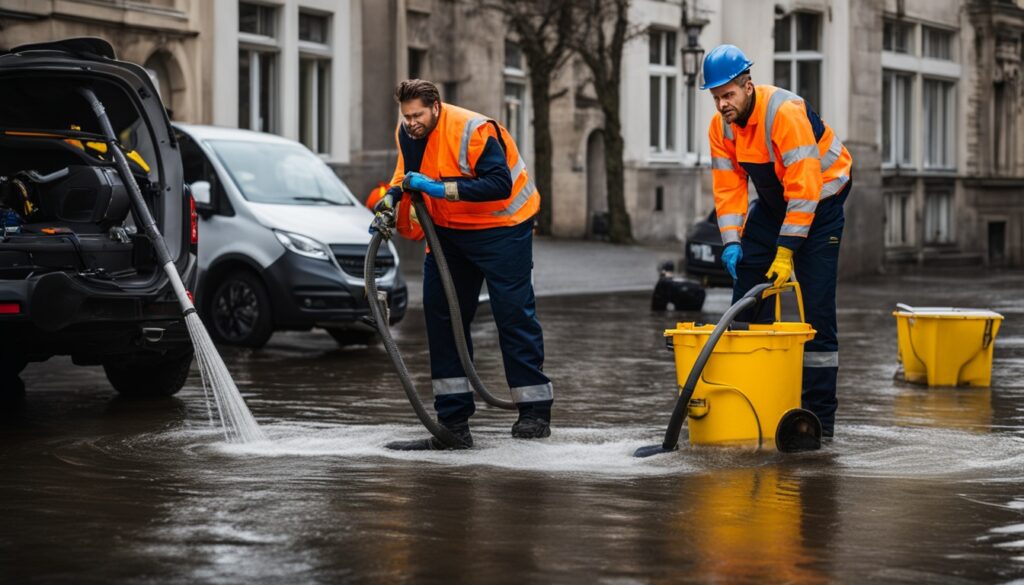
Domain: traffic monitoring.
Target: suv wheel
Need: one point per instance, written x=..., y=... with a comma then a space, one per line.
x=147, y=378
x=239, y=311
x=353, y=336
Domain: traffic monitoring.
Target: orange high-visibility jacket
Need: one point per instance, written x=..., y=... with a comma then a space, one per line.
x=793, y=158
x=452, y=150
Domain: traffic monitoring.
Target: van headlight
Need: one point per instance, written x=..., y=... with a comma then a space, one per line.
x=303, y=245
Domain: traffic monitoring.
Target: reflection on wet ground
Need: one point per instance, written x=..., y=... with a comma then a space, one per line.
x=920, y=485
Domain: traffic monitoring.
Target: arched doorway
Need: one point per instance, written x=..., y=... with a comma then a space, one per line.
x=597, y=188
x=166, y=74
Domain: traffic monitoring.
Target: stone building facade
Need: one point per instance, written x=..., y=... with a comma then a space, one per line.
x=926, y=94
x=161, y=35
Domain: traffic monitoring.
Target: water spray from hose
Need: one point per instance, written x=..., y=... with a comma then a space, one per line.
x=236, y=420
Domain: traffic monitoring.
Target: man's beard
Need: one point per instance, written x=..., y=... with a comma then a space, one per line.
x=426, y=128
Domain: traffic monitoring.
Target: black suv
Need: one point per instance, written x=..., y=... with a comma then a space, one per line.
x=703, y=254
x=77, y=277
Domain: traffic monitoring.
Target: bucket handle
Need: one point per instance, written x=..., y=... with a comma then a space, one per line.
x=777, y=292
x=986, y=339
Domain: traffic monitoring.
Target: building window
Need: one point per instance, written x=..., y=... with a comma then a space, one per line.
x=936, y=43
x=939, y=124
x=938, y=225
x=257, y=90
x=257, y=19
x=313, y=28
x=450, y=92
x=315, y=104
x=897, y=219
x=257, y=67
x=315, y=81
x=897, y=118
x=663, y=76
x=898, y=37
x=798, y=55
x=1003, y=124
x=514, y=110
x=417, y=63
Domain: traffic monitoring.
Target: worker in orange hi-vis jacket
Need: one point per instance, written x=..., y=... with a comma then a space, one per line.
x=479, y=194
x=801, y=171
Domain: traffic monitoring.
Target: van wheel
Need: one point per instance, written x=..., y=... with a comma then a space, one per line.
x=147, y=378
x=239, y=311
x=353, y=336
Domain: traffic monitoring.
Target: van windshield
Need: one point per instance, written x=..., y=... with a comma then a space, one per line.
x=281, y=173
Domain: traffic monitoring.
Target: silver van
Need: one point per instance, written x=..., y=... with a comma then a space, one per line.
x=283, y=240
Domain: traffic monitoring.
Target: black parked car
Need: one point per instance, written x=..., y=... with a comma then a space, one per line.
x=77, y=277
x=702, y=254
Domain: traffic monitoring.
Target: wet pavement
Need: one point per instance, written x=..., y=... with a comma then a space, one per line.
x=919, y=485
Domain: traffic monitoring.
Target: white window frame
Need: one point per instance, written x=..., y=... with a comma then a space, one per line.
x=922, y=68
x=256, y=54
x=517, y=76
x=794, y=57
x=901, y=137
x=945, y=194
x=259, y=47
x=313, y=55
x=949, y=157
x=902, y=203
x=663, y=71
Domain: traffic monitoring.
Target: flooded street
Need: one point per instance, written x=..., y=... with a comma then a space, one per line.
x=919, y=485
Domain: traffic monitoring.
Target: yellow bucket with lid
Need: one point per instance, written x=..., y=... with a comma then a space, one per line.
x=753, y=377
x=946, y=346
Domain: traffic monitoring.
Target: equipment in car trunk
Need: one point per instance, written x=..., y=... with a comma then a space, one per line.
x=76, y=193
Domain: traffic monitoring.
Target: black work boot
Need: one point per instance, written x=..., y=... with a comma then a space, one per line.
x=531, y=428
x=432, y=444
x=534, y=420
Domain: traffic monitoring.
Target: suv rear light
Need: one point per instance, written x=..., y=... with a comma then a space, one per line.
x=10, y=308
x=194, y=217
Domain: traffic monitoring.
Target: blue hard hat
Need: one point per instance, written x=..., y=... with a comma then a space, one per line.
x=723, y=64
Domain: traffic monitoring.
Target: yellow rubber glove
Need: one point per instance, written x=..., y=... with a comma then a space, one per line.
x=782, y=267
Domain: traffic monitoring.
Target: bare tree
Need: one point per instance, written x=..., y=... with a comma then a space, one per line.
x=543, y=28
x=599, y=36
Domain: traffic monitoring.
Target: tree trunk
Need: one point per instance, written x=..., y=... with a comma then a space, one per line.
x=543, y=148
x=619, y=230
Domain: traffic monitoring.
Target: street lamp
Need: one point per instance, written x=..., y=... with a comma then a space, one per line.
x=692, y=52
x=692, y=55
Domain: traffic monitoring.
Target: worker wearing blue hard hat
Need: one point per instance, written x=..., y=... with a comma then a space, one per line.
x=801, y=171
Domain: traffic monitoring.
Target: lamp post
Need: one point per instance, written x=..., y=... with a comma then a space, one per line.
x=692, y=52
x=692, y=55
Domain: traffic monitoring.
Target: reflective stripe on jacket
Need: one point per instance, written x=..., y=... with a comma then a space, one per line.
x=452, y=151
x=793, y=158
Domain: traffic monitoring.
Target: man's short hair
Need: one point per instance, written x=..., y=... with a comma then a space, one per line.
x=411, y=89
x=742, y=78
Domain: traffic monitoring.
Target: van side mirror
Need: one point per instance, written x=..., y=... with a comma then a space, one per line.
x=201, y=193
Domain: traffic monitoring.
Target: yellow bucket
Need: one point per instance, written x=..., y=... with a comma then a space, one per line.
x=944, y=346
x=753, y=377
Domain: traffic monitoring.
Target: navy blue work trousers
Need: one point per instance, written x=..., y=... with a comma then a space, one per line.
x=503, y=257
x=815, y=267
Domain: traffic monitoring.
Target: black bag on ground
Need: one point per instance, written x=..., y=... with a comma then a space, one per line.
x=684, y=295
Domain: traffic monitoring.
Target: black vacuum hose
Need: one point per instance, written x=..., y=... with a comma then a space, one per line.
x=675, y=423
x=442, y=434
x=453, y=307
x=380, y=319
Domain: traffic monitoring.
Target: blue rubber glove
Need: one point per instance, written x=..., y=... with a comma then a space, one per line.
x=731, y=256
x=419, y=182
